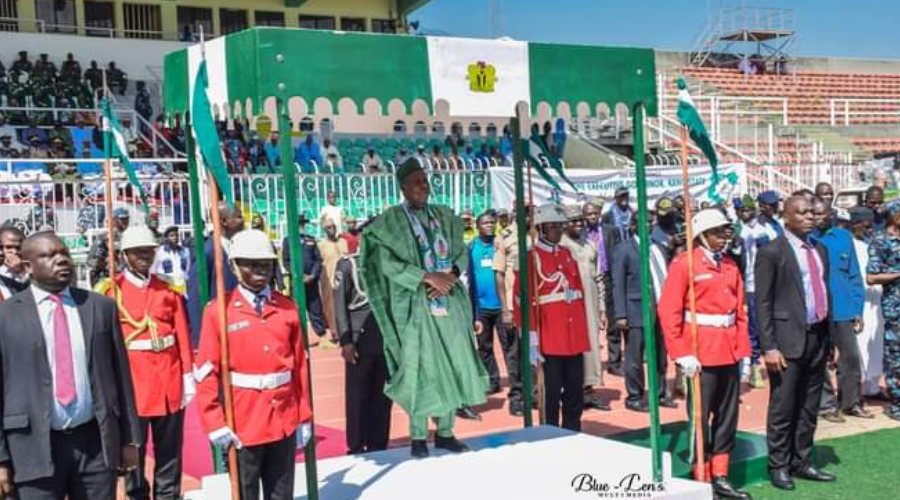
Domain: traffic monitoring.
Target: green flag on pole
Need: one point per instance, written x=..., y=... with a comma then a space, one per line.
x=690, y=119
x=118, y=148
x=207, y=136
x=540, y=156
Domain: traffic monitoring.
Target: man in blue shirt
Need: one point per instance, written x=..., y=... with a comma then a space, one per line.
x=309, y=153
x=847, y=310
x=486, y=304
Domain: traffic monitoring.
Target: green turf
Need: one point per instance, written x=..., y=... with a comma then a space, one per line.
x=867, y=466
x=748, y=460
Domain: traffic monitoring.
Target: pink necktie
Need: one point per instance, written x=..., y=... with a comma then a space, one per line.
x=65, y=368
x=817, y=283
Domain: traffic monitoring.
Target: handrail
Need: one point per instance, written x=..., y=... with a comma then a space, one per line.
x=676, y=137
x=834, y=105
x=42, y=26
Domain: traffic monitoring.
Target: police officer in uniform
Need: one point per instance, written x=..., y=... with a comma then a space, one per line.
x=367, y=408
x=558, y=315
x=155, y=327
x=268, y=374
x=312, y=271
x=722, y=337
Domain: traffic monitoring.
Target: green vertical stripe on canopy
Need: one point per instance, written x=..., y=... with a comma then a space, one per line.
x=175, y=90
x=581, y=73
x=241, y=65
x=337, y=65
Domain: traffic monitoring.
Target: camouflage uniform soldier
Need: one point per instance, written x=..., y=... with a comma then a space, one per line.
x=884, y=269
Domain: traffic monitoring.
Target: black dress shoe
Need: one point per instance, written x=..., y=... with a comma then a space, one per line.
x=495, y=389
x=810, y=473
x=858, y=412
x=781, y=479
x=667, y=402
x=468, y=413
x=596, y=404
x=638, y=406
x=832, y=416
x=450, y=444
x=617, y=371
x=516, y=408
x=419, y=448
x=723, y=489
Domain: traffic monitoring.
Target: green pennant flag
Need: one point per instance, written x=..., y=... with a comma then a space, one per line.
x=538, y=151
x=118, y=148
x=207, y=136
x=690, y=118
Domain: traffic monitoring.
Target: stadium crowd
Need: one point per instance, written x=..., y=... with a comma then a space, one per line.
x=604, y=336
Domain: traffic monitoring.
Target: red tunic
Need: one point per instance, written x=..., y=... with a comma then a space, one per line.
x=158, y=376
x=557, y=307
x=719, y=291
x=258, y=345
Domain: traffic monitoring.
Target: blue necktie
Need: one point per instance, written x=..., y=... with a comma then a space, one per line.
x=258, y=303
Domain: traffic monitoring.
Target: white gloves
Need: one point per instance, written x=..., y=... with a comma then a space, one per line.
x=304, y=434
x=190, y=390
x=534, y=351
x=690, y=365
x=225, y=437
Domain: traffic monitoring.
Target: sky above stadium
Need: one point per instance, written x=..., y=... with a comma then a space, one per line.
x=844, y=28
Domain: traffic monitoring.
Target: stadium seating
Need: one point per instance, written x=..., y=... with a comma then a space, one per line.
x=810, y=93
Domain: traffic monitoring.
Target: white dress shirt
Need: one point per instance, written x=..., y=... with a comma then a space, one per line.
x=81, y=411
x=799, y=248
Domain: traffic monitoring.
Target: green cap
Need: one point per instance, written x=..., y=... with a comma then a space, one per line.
x=408, y=167
x=749, y=202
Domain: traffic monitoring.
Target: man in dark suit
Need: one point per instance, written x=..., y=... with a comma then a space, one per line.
x=69, y=420
x=603, y=238
x=232, y=222
x=793, y=313
x=626, y=280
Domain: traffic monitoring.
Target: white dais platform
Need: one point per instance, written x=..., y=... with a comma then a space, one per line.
x=539, y=463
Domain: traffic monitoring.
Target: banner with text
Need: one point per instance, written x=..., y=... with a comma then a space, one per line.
x=661, y=181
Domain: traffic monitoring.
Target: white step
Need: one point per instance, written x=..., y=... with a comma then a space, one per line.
x=537, y=463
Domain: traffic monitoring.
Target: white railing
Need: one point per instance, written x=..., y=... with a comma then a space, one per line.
x=30, y=25
x=75, y=207
x=844, y=109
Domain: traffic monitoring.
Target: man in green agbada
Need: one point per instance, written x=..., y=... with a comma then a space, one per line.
x=411, y=257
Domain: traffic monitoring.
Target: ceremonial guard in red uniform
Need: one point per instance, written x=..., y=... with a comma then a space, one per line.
x=722, y=340
x=558, y=318
x=268, y=374
x=154, y=324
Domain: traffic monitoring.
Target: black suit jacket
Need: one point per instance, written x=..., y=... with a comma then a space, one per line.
x=626, y=283
x=781, y=300
x=12, y=285
x=26, y=383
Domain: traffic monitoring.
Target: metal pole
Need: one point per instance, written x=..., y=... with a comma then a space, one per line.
x=298, y=287
x=649, y=319
x=516, y=125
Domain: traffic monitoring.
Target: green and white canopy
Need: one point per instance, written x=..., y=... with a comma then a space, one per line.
x=474, y=77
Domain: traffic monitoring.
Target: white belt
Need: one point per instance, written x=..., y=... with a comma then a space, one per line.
x=559, y=297
x=260, y=381
x=714, y=320
x=161, y=344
